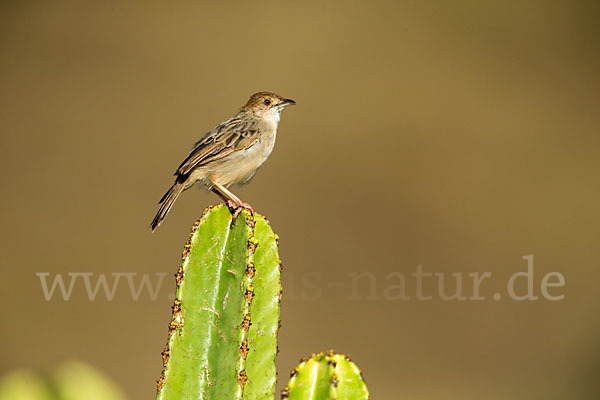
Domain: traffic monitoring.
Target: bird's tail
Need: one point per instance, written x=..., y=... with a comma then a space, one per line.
x=166, y=203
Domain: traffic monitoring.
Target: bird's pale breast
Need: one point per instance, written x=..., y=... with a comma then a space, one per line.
x=239, y=166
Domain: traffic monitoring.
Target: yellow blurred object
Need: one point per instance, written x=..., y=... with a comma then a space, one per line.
x=71, y=380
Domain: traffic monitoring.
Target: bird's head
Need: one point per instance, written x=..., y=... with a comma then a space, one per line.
x=267, y=105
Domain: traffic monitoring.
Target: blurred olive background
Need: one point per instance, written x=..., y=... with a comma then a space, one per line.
x=460, y=136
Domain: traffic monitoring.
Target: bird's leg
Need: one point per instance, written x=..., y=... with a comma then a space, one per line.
x=231, y=200
x=230, y=203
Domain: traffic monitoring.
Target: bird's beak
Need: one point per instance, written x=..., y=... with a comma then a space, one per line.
x=287, y=102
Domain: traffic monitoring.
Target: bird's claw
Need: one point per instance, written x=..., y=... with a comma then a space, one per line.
x=232, y=204
x=248, y=208
x=239, y=207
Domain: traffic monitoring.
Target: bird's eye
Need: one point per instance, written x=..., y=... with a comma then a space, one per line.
x=267, y=102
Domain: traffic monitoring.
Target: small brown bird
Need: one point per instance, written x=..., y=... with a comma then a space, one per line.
x=230, y=154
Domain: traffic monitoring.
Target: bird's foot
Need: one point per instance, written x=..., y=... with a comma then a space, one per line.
x=240, y=207
x=237, y=208
x=247, y=207
x=232, y=205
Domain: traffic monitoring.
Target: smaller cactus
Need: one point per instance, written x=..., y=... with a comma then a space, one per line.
x=70, y=380
x=326, y=376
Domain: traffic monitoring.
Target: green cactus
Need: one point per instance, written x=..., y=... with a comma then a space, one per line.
x=223, y=333
x=70, y=380
x=326, y=376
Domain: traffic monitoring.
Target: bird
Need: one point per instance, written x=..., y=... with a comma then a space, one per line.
x=230, y=154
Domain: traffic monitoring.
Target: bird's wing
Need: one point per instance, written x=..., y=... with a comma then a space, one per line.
x=232, y=135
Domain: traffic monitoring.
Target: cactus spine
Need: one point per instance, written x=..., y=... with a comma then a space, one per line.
x=326, y=376
x=223, y=333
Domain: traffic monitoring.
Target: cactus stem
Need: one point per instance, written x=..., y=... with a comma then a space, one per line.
x=222, y=337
